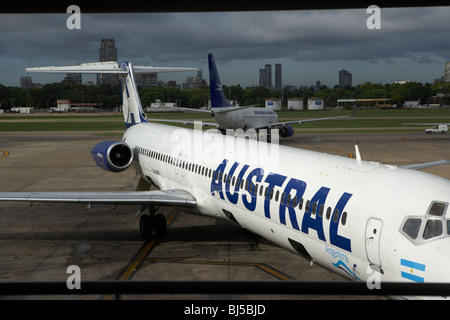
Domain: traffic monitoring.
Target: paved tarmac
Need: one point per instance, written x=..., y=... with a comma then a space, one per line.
x=38, y=243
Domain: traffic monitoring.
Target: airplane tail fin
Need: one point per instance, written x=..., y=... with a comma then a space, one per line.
x=218, y=99
x=131, y=103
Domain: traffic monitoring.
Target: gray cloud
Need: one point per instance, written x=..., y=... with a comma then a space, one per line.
x=413, y=35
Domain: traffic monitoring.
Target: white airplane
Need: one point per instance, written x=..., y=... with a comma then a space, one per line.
x=227, y=116
x=359, y=219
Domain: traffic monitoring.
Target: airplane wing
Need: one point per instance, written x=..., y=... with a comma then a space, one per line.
x=280, y=124
x=186, y=123
x=175, y=197
x=426, y=165
x=106, y=67
x=190, y=109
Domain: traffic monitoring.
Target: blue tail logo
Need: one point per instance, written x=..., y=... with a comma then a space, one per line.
x=218, y=99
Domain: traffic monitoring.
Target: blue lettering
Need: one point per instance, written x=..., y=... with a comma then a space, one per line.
x=299, y=186
x=216, y=183
x=233, y=198
x=258, y=173
x=313, y=217
x=335, y=239
x=315, y=223
x=273, y=180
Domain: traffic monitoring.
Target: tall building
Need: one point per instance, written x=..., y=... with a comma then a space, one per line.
x=265, y=77
x=107, y=52
x=26, y=82
x=278, y=77
x=345, y=78
x=262, y=77
x=75, y=77
x=268, y=76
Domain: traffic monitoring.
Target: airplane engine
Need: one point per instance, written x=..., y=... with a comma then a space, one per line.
x=115, y=156
x=286, y=131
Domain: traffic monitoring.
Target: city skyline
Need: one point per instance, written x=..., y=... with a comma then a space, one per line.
x=311, y=45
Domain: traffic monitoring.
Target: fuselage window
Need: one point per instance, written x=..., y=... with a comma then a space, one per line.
x=328, y=215
x=344, y=218
x=336, y=215
x=300, y=204
x=314, y=208
x=321, y=210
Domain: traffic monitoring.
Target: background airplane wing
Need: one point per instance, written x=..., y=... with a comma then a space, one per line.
x=184, y=122
x=280, y=124
x=426, y=165
x=175, y=198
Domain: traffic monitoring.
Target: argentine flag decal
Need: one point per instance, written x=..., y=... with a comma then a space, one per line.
x=412, y=270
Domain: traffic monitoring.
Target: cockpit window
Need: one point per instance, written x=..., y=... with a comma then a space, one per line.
x=412, y=227
x=433, y=228
x=437, y=209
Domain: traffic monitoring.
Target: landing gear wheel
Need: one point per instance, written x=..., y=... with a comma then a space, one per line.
x=145, y=227
x=160, y=226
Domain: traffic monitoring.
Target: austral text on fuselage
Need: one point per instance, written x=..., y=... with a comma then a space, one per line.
x=222, y=183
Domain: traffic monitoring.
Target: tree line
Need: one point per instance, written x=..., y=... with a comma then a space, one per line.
x=110, y=96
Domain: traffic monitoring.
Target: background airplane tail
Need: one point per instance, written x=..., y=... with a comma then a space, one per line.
x=133, y=112
x=218, y=99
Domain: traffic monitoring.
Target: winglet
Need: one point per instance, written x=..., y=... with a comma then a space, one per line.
x=357, y=154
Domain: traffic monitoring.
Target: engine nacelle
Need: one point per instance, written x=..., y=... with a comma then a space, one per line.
x=113, y=156
x=286, y=131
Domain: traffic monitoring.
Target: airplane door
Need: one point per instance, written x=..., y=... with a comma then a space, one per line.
x=373, y=235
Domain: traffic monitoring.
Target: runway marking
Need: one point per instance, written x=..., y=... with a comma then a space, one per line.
x=261, y=266
x=348, y=154
x=3, y=153
x=138, y=259
x=142, y=254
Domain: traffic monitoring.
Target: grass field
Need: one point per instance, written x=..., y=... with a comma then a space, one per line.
x=363, y=121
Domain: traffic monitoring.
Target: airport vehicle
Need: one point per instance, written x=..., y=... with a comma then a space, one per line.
x=442, y=129
x=227, y=116
x=354, y=217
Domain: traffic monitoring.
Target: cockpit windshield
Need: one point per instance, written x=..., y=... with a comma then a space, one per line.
x=432, y=226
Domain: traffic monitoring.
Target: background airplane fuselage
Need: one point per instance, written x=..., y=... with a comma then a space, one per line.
x=244, y=118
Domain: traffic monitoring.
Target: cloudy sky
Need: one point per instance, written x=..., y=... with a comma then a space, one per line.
x=412, y=44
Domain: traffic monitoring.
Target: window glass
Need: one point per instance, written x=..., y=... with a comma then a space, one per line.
x=344, y=218
x=411, y=227
x=314, y=208
x=321, y=208
x=328, y=213
x=300, y=204
x=336, y=215
x=437, y=209
x=433, y=229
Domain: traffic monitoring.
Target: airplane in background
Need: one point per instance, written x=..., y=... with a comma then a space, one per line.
x=353, y=217
x=227, y=116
